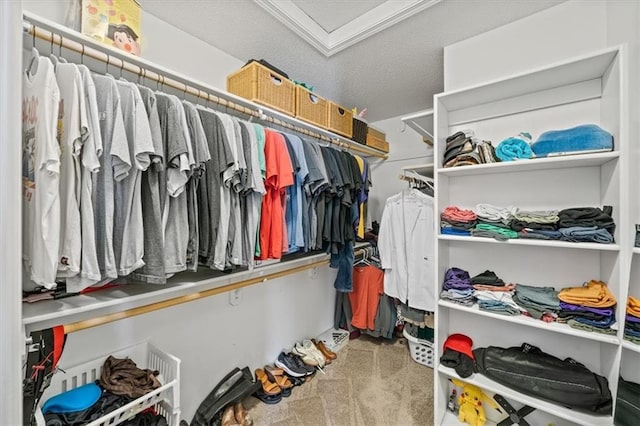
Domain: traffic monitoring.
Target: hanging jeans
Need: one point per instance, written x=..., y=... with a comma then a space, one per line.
x=343, y=261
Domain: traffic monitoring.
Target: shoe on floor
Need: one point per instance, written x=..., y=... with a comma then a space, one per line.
x=324, y=350
x=289, y=363
x=268, y=399
x=307, y=350
x=308, y=368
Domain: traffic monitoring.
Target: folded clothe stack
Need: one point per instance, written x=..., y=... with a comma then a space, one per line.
x=587, y=318
x=515, y=148
x=632, y=324
x=589, y=307
x=542, y=220
x=539, y=302
x=462, y=297
x=594, y=294
x=500, y=302
x=494, y=215
x=460, y=151
x=457, y=287
x=587, y=224
x=540, y=234
x=492, y=231
x=487, y=152
x=456, y=221
x=464, y=150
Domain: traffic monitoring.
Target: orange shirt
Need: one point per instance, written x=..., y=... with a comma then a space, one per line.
x=279, y=175
x=368, y=286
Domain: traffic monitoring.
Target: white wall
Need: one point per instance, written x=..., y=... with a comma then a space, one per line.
x=405, y=148
x=210, y=336
x=569, y=29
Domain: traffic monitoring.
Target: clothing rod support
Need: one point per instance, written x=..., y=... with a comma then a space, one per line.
x=70, y=40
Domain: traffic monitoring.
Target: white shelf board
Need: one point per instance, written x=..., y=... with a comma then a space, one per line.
x=532, y=322
x=630, y=346
x=483, y=382
x=425, y=169
x=534, y=164
x=50, y=313
x=421, y=122
x=450, y=419
x=586, y=68
x=532, y=242
x=636, y=250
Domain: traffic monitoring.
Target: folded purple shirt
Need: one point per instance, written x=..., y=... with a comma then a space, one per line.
x=631, y=318
x=580, y=308
x=456, y=278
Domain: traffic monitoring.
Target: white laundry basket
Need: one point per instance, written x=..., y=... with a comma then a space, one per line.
x=166, y=398
x=422, y=351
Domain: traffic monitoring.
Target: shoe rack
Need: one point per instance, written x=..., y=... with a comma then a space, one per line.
x=588, y=89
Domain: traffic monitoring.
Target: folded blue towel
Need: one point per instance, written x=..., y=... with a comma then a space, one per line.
x=579, y=138
x=515, y=148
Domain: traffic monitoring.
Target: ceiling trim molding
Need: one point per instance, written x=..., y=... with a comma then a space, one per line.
x=364, y=26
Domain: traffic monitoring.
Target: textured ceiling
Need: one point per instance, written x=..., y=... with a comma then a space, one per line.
x=394, y=72
x=332, y=14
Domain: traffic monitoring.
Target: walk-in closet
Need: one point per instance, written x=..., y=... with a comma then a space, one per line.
x=358, y=212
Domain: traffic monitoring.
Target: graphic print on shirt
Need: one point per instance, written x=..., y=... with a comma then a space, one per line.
x=29, y=125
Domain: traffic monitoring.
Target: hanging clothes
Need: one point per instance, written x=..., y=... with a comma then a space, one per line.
x=40, y=173
x=153, y=190
x=90, y=165
x=406, y=248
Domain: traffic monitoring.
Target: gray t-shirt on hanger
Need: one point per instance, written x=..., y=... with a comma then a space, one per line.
x=128, y=231
x=153, y=271
x=175, y=215
x=201, y=156
x=210, y=188
x=314, y=181
x=115, y=164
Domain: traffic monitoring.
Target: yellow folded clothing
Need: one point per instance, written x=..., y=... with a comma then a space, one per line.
x=594, y=294
x=633, y=306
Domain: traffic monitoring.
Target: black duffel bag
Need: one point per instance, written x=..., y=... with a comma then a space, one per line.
x=528, y=370
x=627, y=404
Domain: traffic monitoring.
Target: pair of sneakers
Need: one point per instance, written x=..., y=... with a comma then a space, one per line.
x=309, y=353
x=294, y=365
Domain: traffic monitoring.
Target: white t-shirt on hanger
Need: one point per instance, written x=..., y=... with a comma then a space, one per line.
x=40, y=175
x=90, y=162
x=70, y=140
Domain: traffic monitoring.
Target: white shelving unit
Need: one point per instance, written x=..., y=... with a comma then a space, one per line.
x=591, y=89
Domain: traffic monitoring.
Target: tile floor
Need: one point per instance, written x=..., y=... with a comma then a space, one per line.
x=373, y=382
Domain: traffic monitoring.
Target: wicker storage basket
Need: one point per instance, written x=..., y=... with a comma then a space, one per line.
x=359, y=131
x=340, y=120
x=311, y=107
x=376, y=139
x=261, y=85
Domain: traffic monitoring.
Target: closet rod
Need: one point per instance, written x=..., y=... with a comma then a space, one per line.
x=63, y=37
x=106, y=319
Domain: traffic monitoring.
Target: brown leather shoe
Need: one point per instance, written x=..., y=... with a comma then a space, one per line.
x=229, y=416
x=242, y=415
x=324, y=350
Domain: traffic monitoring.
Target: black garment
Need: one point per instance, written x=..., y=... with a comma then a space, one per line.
x=587, y=216
x=487, y=277
x=567, y=315
x=519, y=225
